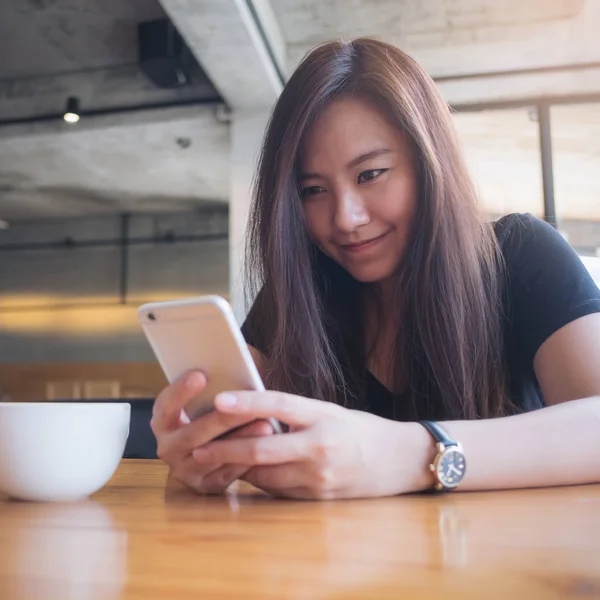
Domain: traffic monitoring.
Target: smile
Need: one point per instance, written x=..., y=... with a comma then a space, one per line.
x=363, y=246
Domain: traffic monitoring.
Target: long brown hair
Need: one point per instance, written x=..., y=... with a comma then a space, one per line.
x=307, y=314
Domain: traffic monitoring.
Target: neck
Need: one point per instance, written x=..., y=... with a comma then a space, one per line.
x=381, y=330
x=380, y=305
x=385, y=294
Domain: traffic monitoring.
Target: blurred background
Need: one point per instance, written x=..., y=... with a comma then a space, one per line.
x=129, y=131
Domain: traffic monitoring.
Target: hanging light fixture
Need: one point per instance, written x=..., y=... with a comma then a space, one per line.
x=72, y=110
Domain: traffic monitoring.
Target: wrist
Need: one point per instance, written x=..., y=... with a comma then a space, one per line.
x=414, y=455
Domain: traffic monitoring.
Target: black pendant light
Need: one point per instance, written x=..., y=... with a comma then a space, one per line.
x=72, y=110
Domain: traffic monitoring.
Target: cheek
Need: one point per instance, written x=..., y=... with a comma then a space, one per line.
x=398, y=205
x=316, y=221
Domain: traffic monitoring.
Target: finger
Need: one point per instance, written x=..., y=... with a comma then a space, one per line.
x=215, y=425
x=276, y=477
x=260, y=428
x=297, y=493
x=166, y=412
x=190, y=473
x=293, y=480
x=208, y=479
x=293, y=410
x=270, y=450
x=300, y=493
x=173, y=445
x=217, y=481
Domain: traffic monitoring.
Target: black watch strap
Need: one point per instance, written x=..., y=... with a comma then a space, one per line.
x=439, y=435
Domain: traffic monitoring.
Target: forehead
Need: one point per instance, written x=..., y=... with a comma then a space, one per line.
x=347, y=128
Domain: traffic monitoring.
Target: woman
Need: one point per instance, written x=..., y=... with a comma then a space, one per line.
x=383, y=292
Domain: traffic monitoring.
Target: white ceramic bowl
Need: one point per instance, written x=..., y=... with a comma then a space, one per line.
x=60, y=451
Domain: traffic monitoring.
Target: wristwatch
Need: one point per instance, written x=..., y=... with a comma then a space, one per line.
x=449, y=465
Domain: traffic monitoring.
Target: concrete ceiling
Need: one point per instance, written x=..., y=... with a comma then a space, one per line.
x=418, y=27
x=52, y=36
x=88, y=48
x=168, y=160
x=132, y=162
x=309, y=22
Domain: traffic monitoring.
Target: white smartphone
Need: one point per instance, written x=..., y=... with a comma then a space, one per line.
x=201, y=334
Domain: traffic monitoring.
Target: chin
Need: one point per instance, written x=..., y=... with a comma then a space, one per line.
x=371, y=275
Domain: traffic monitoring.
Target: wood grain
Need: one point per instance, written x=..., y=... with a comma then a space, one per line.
x=139, y=538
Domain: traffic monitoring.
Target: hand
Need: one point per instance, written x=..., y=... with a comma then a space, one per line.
x=330, y=451
x=177, y=436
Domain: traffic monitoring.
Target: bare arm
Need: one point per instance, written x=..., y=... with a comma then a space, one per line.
x=567, y=365
x=557, y=445
x=333, y=452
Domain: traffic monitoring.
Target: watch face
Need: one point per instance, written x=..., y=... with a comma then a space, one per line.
x=451, y=467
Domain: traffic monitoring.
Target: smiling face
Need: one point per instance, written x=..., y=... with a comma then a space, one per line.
x=359, y=189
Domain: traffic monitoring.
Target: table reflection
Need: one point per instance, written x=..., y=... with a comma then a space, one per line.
x=140, y=538
x=342, y=549
x=67, y=551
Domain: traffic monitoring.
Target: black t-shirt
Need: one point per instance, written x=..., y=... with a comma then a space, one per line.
x=547, y=287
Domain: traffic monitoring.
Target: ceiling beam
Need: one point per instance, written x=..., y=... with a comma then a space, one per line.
x=209, y=113
x=518, y=89
x=239, y=45
x=99, y=91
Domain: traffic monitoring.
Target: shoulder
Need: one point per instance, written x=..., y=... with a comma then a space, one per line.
x=519, y=232
x=538, y=257
x=547, y=284
x=534, y=250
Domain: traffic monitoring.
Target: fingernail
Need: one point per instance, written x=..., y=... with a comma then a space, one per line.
x=184, y=418
x=194, y=380
x=226, y=400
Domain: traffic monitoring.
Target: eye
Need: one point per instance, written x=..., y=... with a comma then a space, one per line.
x=311, y=191
x=370, y=175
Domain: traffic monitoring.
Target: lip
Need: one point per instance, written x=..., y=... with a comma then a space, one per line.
x=363, y=246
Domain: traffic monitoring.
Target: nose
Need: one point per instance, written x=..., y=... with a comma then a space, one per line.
x=350, y=211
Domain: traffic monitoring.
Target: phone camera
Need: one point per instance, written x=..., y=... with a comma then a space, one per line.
x=151, y=316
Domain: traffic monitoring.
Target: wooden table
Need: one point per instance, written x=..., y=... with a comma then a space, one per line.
x=138, y=538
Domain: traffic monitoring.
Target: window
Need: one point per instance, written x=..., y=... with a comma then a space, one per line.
x=576, y=157
x=502, y=151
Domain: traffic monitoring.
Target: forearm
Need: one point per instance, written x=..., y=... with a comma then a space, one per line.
x=558, y=445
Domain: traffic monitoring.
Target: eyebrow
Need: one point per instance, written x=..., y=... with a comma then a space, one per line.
x=353, y=163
